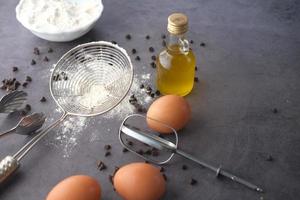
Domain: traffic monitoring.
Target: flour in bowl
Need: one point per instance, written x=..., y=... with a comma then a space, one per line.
x=57, y=15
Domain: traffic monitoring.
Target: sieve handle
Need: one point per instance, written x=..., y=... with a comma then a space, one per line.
x=7, y=167
x=29, y=145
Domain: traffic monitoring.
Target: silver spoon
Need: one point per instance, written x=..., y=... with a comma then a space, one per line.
x=12, y=101
x=27, y=124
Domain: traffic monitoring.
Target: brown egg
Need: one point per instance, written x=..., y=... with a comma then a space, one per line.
x=171, y=110
x=78, y=187
x=139, y=181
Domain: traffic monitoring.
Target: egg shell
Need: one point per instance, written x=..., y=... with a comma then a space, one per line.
x=139, y=181
x=171, y=110
x=79, y=187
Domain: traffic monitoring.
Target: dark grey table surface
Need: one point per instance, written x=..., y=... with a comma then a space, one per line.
x=249, y=66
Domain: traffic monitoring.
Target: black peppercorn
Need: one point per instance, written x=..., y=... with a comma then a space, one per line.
x=147, y=37
x=50, y=50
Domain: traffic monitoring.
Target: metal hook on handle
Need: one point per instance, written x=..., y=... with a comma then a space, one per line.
x=160, y=143
x=131, y=131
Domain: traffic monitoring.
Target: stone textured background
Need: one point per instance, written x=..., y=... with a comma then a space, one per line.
x=249, y=66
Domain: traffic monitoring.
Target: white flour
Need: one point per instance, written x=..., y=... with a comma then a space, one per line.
x=57, y=15
x=95, y=96
x=71, y=130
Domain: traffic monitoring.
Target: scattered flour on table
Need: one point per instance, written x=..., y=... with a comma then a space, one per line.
x=71, y=130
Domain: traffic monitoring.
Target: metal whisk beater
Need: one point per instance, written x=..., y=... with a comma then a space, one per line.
x=88, y=80
x=150, y=139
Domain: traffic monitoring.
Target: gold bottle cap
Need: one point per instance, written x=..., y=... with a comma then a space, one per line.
x=177, y=23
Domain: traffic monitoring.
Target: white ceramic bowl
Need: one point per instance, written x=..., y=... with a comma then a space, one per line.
x=62, y=36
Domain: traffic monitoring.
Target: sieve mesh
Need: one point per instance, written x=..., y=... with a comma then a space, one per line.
x=91, y=78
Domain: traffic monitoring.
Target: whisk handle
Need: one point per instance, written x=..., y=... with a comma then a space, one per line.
x=220, y=171
x=7, y=132
x=7, y=167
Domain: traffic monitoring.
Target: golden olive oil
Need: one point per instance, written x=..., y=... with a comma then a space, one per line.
x=176, y=64
x=175, y=71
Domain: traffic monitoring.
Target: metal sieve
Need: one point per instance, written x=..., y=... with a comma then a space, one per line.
x=88, y=80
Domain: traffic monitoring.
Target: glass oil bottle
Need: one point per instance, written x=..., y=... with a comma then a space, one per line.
x=176, y=63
